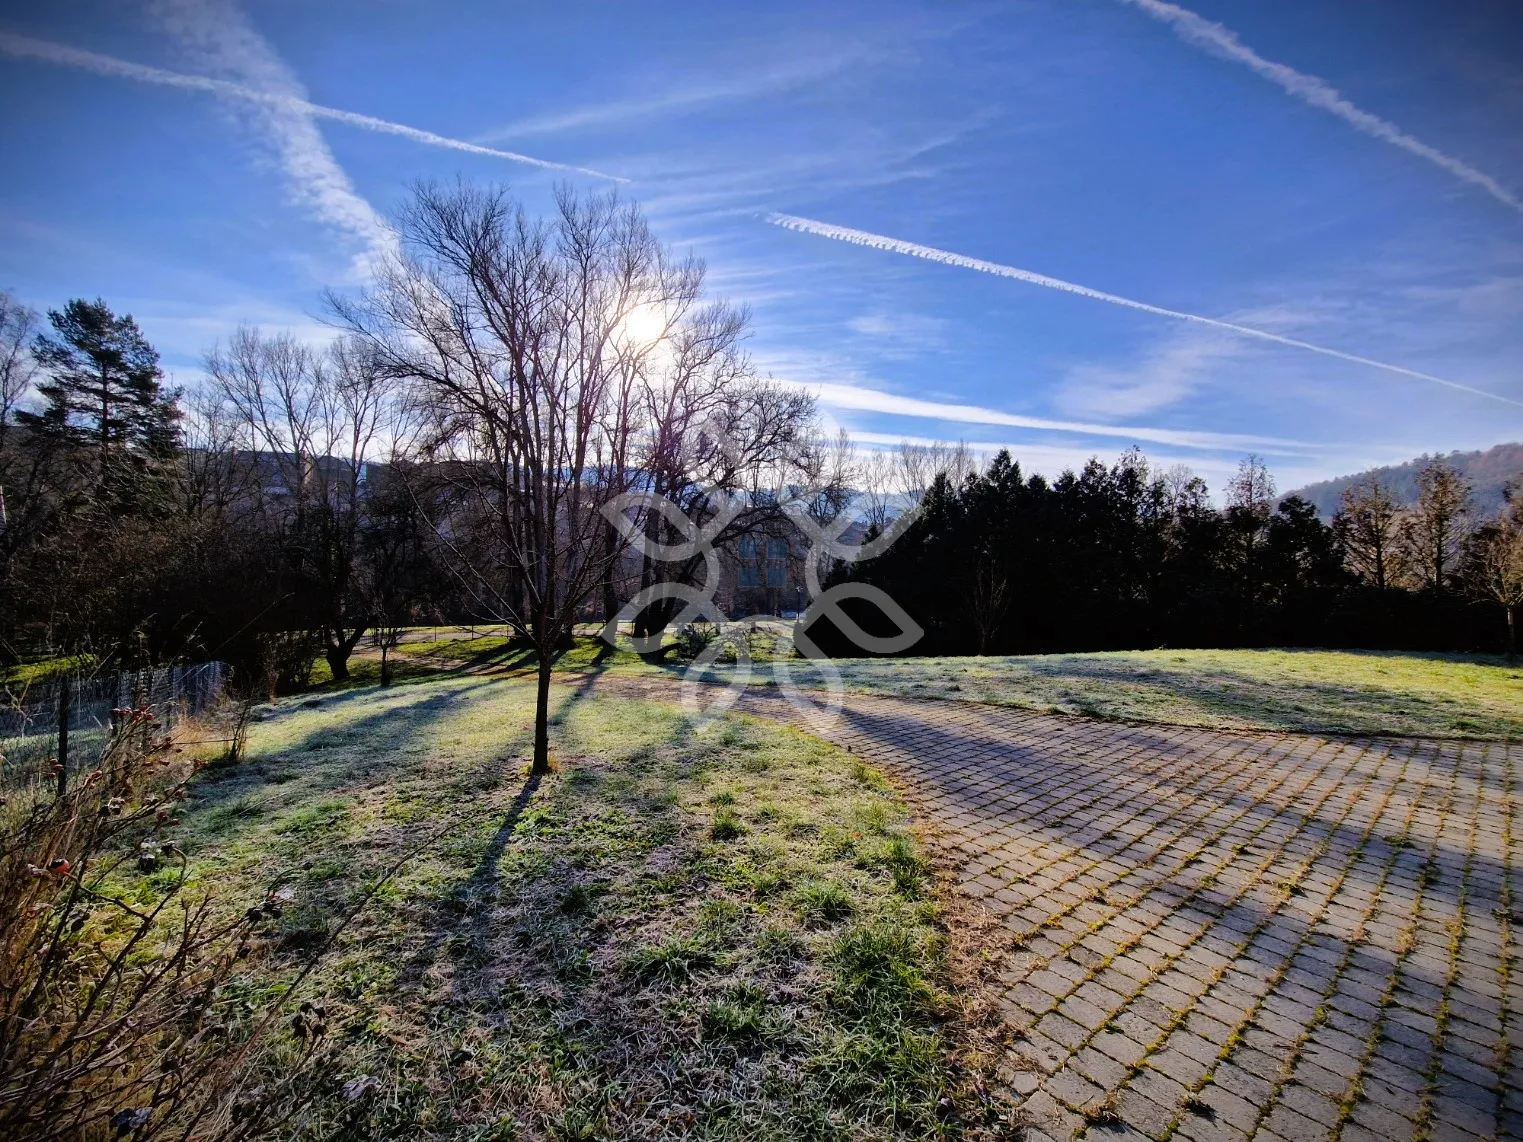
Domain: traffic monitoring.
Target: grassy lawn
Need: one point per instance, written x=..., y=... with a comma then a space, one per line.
x=1364, y=692
x=1314, y=691
x=726, y=934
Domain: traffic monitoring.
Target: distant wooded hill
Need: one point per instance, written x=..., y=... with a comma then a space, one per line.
x=1489, y=471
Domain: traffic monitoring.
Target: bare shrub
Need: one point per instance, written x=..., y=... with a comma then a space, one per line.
x=112, y=1015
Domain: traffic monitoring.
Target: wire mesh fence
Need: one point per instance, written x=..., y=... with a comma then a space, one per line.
x=70, y=717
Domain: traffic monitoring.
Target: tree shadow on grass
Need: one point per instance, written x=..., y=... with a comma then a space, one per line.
x=359, y=748
x=1298, y=705
x=465, y=915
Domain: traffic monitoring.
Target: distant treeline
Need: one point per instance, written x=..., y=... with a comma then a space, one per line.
x=304, y=500
x=1126, y=557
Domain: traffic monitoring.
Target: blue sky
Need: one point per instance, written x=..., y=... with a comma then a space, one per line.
x=1109, y=144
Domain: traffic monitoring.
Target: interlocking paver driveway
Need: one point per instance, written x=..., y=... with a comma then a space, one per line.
x=1230, y=935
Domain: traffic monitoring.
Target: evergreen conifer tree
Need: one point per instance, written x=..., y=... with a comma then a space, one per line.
x=105, y=397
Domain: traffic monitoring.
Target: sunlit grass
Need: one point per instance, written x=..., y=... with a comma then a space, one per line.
x=1317, y=691
x=1366, y=692
x=23, y=674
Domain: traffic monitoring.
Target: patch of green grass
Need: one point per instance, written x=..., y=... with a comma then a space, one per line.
x=675, y=960
x=726, y=827
x=325, y=817
x=574, y=956
x=365, y=670
x=460, y=648
x=879, y=973
x=740, y=1017
x=823, y=903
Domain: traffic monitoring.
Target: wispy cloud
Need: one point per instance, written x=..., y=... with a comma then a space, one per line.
x=676, y=101
x=763, y=67
x=220, y=38
x=27, y=47
x=947, y=258
x=860, y=398
x=899, y=334
x=1166, y=374
x=1222, y=41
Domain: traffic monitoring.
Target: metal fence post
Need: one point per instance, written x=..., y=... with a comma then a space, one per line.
x=63, y=733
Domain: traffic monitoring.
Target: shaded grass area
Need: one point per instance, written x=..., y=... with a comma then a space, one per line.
x=1358, y=692
x=723, y=934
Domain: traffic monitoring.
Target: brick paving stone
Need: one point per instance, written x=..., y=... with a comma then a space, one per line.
x=1072, y=1089
x=1116, y=1131
x=1451, y=1114
x=1383, y=1119
x=1313, y=902
x=1353, y=1132
x=1249, y=1087
x=1095, y=1065
x=1294, y=1127
x=1229, y=1108
x=1178, y=1066
x=1311, y=1103
x=1143, y=1114
x=1321, y=1080
x=1196, y=1128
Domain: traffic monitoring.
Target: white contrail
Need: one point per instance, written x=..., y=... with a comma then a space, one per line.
x=220, y=38
x=1223, y=41
x=29, y=48
x=932, y=254
x=864, y=399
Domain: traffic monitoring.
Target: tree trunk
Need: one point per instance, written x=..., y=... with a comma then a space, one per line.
x=541, y=764
x=610, y=597
x=337, y=649
x=1512, y=632
x=385, y=665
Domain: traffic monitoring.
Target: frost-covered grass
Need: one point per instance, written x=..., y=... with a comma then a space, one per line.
x=1304, y=690
x=1363, y=692
x=726, y=934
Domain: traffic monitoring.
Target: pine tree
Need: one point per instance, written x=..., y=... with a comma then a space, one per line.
x=104, y=393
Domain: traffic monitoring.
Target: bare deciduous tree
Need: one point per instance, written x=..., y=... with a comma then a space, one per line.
x=17, y=325
x=1368, y=526
x=714, y=437
x=1250, y=503
x=892, y=481
x=1496, y=571
x=988, y=598
x=920, y=464
x=1432, y=532
x=523, y=343
x=877, y=476
x=314, y=420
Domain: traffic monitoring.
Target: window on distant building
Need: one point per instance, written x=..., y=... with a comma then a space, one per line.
x=777, y=563
x=749, y=571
